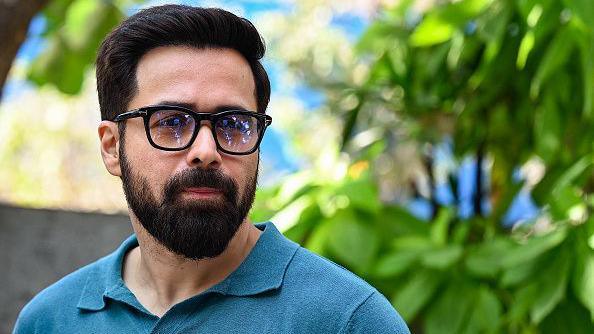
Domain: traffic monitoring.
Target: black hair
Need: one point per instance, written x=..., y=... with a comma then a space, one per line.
x=172, y=25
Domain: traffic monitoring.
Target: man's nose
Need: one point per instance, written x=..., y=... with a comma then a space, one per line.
x=203, y=152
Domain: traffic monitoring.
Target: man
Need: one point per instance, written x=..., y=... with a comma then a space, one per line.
x=183, y=97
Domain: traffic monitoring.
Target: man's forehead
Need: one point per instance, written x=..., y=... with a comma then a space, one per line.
x=180, y=60
x=195, y=76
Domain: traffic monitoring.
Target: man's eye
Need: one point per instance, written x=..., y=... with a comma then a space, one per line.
x=172, y=122
x=229, y=123
x=236, y=123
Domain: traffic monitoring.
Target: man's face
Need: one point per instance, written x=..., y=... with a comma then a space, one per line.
x=190, y=201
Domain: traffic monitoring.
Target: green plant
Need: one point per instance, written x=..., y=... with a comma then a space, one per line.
x=511, y=83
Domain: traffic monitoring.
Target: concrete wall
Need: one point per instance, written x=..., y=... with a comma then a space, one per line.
x=38, y=247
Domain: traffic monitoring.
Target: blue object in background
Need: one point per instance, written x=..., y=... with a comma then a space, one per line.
x=522, y=209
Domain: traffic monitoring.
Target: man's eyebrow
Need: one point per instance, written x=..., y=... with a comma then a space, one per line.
x=191, y=106
x=229, y=107
x=177, y=104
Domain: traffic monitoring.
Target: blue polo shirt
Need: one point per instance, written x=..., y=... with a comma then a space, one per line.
x=279, y=288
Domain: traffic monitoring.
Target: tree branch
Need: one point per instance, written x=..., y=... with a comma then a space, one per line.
x=15, y=17
x=479, y=191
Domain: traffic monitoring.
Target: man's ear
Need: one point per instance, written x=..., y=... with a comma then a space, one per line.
x=109, y=138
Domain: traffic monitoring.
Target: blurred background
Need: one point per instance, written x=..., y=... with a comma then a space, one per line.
x=441, y=149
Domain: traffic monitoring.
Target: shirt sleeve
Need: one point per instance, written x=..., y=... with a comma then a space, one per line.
x=376, y=315
x=25, y=323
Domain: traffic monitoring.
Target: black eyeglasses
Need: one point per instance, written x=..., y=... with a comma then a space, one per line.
x=174, y=128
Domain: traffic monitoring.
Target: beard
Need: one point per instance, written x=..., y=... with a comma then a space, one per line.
x=194, y=229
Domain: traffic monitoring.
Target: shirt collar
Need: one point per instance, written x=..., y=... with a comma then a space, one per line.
x=262, y=270
x=105, y=277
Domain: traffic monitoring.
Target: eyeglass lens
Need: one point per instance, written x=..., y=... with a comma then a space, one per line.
x=174, y=129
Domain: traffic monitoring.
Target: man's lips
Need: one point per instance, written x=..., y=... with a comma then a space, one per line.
x=202, y=192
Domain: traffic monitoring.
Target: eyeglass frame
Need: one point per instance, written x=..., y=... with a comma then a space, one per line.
x=146, y=112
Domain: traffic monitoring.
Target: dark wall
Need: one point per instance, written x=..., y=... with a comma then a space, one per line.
x=38, y=247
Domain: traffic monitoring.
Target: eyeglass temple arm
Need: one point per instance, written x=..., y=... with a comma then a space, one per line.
x=130, y=114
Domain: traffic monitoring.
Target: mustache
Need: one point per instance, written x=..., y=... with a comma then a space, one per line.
x=196, y=178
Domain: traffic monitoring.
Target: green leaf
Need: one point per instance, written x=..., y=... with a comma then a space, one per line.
x=60, y=66
x=397, y=57
x=395, y=221
x=292, y=214
x=583, y=280
x=552, y=286
x=461, y=231
x=568, y=317
x=525, y=48
x=586, y=52
x=564, y=201
x=492, y=25
x=54, y=13
x=484, y=260
x=318, y=240
x=455, y=53
x=522, y=301
x=533, y=248
x=294, y=186
x=542, y=192
x=440, y=24
x=547, y=130
x=412, y=242
x=72, y=49
x=379, y=72
x=451, y=310
x=443, y=257
x=520, y=274
x=485, y=315
x=349, y=126
x=439, y=227
x=572, y=173
x=416, y=292
x=362, y=193
x=556, y=55
x=583, y=9
x=395, y=264
x=76, y=23
x=494, y=30
x=378, y=37
x=433, y=30
x=353, y=243
x=261, y=210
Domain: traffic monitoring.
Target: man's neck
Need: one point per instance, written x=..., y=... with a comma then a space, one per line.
x=160, y=279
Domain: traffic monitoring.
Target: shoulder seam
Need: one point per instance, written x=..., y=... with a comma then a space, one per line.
x=348, y=323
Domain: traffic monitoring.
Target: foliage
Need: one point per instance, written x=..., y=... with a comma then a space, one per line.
x=447, y=276
x=511, y=83
x=73, y=31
